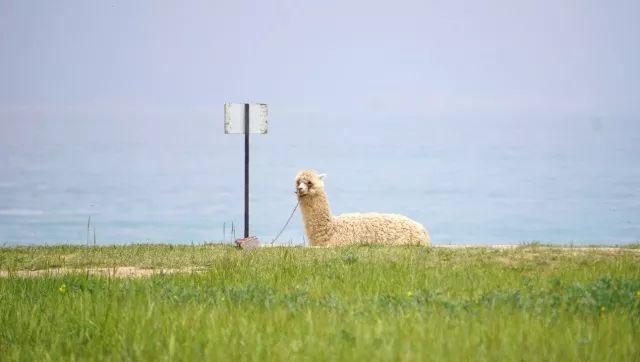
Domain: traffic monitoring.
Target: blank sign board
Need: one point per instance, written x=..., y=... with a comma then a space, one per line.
x=234, y=118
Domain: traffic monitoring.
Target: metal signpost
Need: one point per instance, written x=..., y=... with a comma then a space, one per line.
x=245, y=118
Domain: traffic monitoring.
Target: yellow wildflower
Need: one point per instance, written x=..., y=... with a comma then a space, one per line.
x=63, y=288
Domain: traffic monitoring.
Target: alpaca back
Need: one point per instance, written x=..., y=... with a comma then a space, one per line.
x=375, y=228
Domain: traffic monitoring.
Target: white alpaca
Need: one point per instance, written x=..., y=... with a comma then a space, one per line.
x=323, y=229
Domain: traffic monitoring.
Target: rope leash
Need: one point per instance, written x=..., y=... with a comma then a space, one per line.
x=286, y=223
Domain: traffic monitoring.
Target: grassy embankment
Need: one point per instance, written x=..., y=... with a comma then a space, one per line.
x=354, y=303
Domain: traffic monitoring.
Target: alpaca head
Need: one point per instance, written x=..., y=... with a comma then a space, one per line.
x=309, y=184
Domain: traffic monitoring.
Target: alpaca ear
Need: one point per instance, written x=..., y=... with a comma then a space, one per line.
x=322, y=176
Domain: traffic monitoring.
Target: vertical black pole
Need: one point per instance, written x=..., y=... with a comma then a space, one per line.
x=246, y=170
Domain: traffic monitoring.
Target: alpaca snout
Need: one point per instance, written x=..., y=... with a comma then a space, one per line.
x=302, y=189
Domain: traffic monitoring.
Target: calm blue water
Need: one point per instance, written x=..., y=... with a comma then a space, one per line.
x=170, y=180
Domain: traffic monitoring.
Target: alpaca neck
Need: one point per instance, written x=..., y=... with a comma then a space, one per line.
x=317, y=218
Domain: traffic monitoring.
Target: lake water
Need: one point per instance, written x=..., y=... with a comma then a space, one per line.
x=170, y=180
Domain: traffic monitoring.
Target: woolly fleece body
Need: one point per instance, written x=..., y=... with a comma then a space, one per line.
x=323, y=229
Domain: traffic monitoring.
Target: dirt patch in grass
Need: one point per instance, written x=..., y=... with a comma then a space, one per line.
x=609, y=249
x=117, y=272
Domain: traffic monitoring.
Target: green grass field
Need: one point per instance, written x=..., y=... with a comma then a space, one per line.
x=354, y=303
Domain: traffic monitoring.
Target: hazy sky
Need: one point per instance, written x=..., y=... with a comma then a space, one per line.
x=343, y=57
